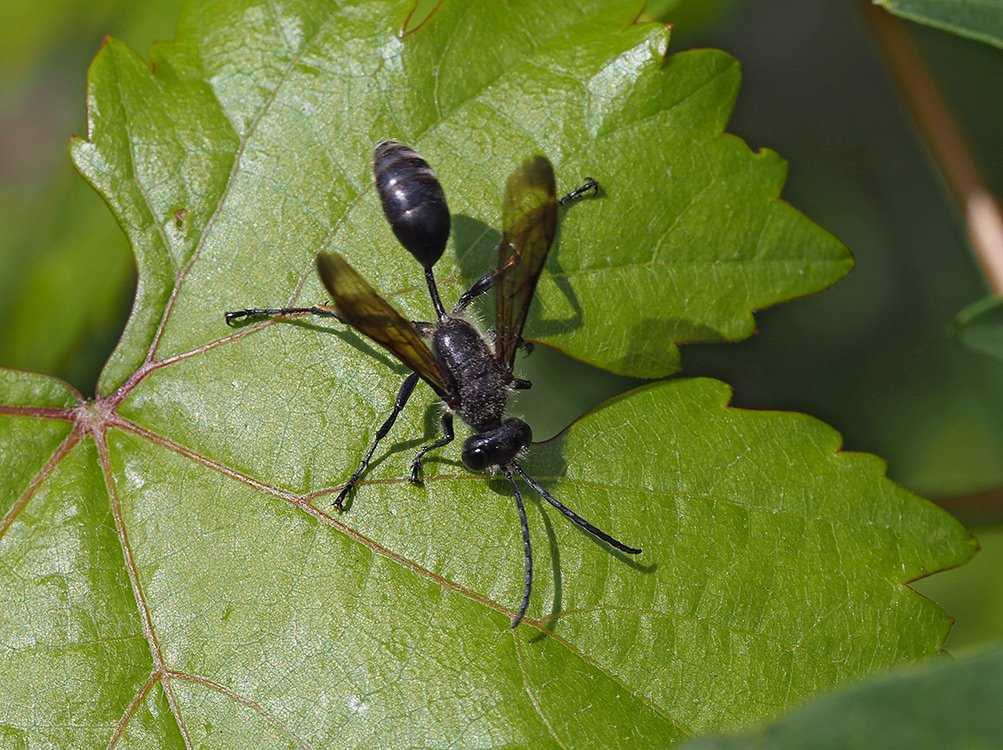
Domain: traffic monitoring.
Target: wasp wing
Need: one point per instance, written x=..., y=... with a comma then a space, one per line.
x=364, y=309
x=529, y=219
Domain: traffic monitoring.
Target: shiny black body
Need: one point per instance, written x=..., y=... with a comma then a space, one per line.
x=471, y=376
x=480, y=383
x=413, y=201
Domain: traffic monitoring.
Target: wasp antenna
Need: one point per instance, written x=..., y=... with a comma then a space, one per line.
x=577, y=519
x=527, y=549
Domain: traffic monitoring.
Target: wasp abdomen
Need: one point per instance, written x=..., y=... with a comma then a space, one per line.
x=413, y=201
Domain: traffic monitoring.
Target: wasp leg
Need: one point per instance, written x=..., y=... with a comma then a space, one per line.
x=235, y=316
x=589, y=184
x=447, y=437
x=482, y=285
x=406, y=389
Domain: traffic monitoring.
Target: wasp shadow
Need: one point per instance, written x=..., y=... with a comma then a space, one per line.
x=339, y=330
x=476, y=247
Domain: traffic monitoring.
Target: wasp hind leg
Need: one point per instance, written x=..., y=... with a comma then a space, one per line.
x=589, y=185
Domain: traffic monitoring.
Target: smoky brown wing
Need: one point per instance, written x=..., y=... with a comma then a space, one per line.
x=364, y=309
x=529, y=219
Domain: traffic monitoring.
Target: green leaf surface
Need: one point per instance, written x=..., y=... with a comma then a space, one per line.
x=980, y=326
x=255, y=146
x=942, y=705
x=171, y=570
x=773, y=568
x=977, y=19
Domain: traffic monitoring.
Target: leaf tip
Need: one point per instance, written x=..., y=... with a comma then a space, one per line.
x=663, y=43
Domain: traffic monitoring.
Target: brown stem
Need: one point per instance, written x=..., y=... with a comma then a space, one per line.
x=976, y=508
x=981, y=210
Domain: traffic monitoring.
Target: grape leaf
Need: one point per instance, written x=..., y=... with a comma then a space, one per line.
x=773, y=568
x=171, y=570
x=593, y=92
x=935, y=706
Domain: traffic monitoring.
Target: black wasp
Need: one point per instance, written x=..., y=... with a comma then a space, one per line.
x=458, y=361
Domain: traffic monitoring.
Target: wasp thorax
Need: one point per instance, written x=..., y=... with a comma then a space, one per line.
x=413, y=201
x=498, y=446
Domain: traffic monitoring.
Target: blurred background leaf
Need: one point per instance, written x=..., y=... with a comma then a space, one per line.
x=933, y=705
x=980, y=326
x=67, y=275
x=978, y=19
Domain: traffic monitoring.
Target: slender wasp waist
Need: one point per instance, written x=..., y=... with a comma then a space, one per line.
x=481, y=383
